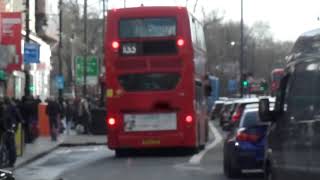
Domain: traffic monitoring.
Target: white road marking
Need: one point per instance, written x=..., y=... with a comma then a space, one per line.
x=195, y=159
x=252, y=171
x=188, y=167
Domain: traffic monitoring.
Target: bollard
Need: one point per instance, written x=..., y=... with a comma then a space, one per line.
x=19, y=137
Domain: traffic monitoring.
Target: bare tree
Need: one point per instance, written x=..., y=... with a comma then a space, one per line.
x=261, y=55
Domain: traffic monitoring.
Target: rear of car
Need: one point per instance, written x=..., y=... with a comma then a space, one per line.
x=241, y=104
x=225, y=113
x=216, y=109
x=244, y=145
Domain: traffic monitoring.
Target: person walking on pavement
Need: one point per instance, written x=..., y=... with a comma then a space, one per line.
x=86, y=116
x=34, y=117
x=13, y=118
x=83, y=116
x=27, y=112
x=62, y=117
x=37, y=101
x=53, y=111
x=69, y=115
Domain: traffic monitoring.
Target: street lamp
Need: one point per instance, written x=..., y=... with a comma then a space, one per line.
x=241, y=50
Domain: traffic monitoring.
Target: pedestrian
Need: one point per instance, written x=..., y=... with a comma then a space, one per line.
x=76, y=116
x=28, y=114
x=37, y=101
x=62, y=117
x=53, y=111
x=83, y=117
x=69, y=115
x=12, y=118
x=86, y=116
x=34, y=117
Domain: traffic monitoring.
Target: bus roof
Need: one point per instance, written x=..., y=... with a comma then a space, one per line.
x=146, y=9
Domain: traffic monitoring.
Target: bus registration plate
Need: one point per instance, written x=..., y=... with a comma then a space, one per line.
x=150, y=122
x=151, y=142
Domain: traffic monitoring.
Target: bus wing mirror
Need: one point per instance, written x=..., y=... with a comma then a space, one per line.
x=207, y=90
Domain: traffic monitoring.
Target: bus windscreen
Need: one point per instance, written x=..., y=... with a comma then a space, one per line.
x=147, y=27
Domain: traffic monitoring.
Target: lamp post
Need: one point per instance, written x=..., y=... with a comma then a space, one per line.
x=27, y=39
x=241, y=51
x=60, y=49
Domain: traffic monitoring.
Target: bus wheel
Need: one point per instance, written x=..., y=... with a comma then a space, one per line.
x=202, y=146
x=121, y=152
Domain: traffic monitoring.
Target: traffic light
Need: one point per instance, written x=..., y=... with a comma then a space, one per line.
x=245, y=83
x=31, y=88
x=263, y=86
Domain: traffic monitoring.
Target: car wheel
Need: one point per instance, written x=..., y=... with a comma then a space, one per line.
x=268, y=175
x=229, y=170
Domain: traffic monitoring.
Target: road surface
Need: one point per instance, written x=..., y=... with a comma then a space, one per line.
x=99, y=163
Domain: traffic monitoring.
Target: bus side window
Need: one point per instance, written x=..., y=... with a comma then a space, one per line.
x=199, y=94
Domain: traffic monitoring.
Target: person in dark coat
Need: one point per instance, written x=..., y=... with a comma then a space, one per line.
x=37, y=101
x=69, y=115
x=13, y=117
x=28, y=114
x=53, y=111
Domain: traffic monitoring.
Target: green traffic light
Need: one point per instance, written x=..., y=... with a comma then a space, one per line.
x=245, y=83
x=31, y=88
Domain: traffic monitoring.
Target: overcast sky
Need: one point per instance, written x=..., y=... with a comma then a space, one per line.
x=287, y=18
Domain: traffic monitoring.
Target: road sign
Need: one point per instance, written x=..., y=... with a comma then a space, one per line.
x=92, y=70
x=31, y=53
x=232, y=85
x=60, y=82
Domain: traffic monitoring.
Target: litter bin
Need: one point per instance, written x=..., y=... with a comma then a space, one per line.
x=98, y=125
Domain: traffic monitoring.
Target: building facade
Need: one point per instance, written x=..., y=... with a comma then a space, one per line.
x=15, y=78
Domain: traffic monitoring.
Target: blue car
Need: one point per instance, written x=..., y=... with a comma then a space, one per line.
x=244, y=145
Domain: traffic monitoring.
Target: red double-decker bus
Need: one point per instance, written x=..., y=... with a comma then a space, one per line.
x=155, y=69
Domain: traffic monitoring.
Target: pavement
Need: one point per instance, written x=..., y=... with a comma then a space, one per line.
x=43, y=146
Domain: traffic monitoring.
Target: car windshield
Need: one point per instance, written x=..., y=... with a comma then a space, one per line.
x=217, y=107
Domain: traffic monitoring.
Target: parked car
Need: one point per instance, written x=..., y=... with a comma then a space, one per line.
x=216, y=108
x=293, y=141
x=244, y=145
